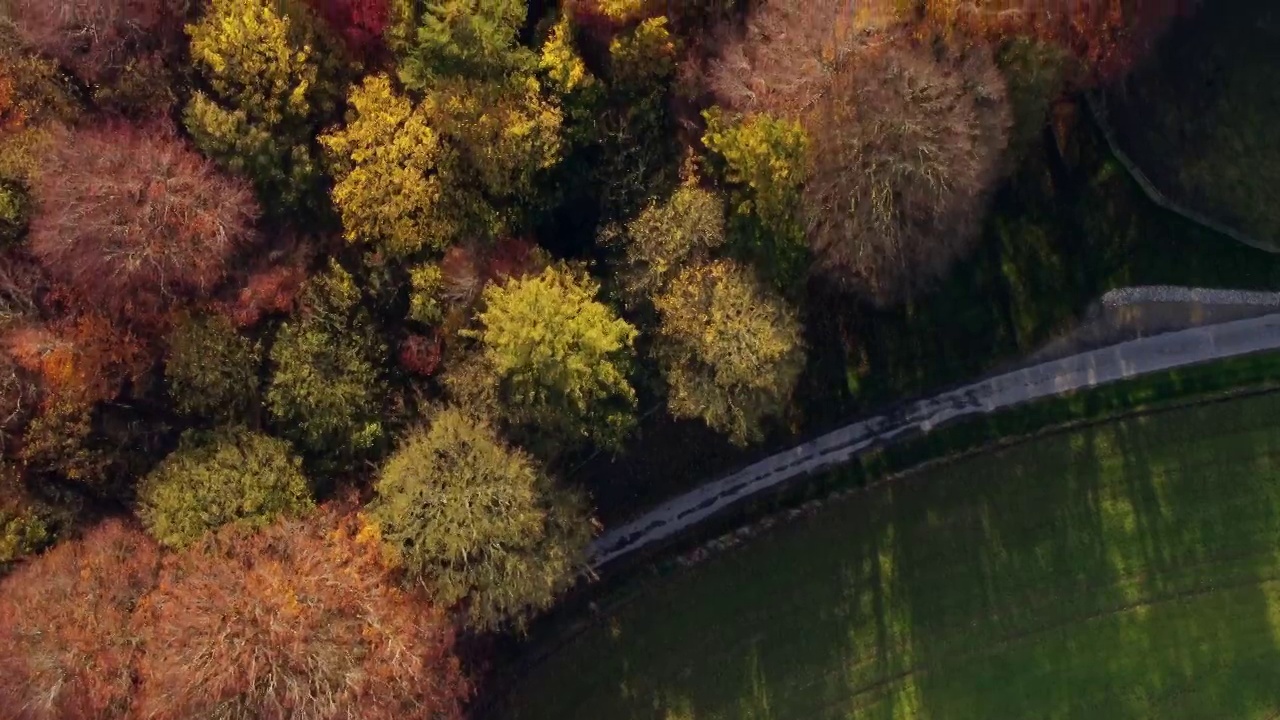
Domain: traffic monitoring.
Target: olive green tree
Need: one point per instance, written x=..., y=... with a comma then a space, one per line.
x=732, y=351
x=212, y=479
x=211, y=370
x=477, y=523
x=273, y=81
x=327, y=391
x=685, y=228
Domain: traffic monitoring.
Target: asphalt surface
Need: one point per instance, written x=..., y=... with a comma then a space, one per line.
x=1083, y=370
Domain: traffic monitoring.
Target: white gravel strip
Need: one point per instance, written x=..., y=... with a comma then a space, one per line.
x=1175, y=294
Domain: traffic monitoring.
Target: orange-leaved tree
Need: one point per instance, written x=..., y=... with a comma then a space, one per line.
x=299, y=620
x=64, y=626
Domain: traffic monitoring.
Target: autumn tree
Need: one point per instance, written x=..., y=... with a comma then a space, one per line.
x=731, y=350
x=211, y=371
x=665, y=237
x=393, y=172
x=426, y=285
x=905, y=149
x=25, y=527
x=359, y=23
x=19, y=399
x=559, y=357
x=298, y=620
x=506, y=133
x=79, y=362
x=477, y=523
x=633, y=127
x=1105, y=38
x=64, y=624
x=327, y=391
x=132, y=221
x=274, y=83
x=763, y=160
x=221, y=477
x=475, y=39
x=121, y=50
x=782, y=57
x=482, y=92
x=34, y=97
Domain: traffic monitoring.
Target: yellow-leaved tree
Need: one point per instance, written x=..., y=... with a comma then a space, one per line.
x=275, y=79
x=763, y=160
x=392, y=171
x=559, y=359
x=731, y=349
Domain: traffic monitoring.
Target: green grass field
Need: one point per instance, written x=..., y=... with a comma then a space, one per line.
x=1128, y=570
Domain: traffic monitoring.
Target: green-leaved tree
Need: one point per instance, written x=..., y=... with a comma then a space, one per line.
x=732, y=350
x=226, y=476
x=273, y=83
x=559, y=357
x=211, y=370
x=327, y=392
x=477, y=523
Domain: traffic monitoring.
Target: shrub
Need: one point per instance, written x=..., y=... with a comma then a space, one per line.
x=211, y=370
x=132, y=221
x=477, y=523
x=298, y=620
x=732, y=351
x=64, y=624
x=905, y=149
x=227, y=476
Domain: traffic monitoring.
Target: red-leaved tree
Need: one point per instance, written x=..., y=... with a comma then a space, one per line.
x=64, y=626
x=298, y=621
x=360, y=23
x=133, y=221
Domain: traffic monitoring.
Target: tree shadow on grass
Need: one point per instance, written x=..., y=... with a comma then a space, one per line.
x=1148, y=591
x=1124, y=570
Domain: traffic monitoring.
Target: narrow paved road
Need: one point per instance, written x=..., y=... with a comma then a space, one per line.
x=1085, y=370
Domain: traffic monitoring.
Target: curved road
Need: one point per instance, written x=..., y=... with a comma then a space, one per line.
x=1085, y=370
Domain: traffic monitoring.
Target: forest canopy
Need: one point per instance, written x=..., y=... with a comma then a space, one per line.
x=355, y=317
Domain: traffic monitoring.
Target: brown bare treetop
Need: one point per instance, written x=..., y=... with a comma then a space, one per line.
x=298, y=621
x=782, y=58
x=132, y=220
x=905, y=147
x=103, y=42
x=64, y=620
